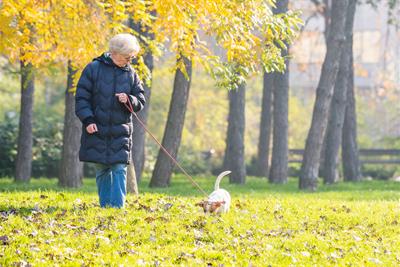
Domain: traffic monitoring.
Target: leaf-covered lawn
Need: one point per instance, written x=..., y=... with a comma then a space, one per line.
x=347, y=224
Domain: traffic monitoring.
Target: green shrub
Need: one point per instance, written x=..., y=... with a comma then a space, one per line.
x=378, y=172
x=251, y=167
x=47, y=146
x=8, y=145
x=194, y=162
x=293, y=168
x=46, y=150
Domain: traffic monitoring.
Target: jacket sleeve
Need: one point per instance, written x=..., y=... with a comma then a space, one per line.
x=137, y=94
x=84, y=90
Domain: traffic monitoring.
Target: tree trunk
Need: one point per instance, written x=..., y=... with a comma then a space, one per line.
x=327, y=18
x=173, y=131
x=234, y=151
x=139, y=134
x=71, y=171
x=321, y=171
x=265, y=126
x=309, y=169
x=23, y=164
x=326, y=13
x=131, y=181
x=279, y=160
x=350, y=156
x=338, y=105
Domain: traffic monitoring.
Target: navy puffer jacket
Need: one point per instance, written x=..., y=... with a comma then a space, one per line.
x=95, y=102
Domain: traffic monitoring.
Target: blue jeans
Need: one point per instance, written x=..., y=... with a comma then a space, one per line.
x=111, y=185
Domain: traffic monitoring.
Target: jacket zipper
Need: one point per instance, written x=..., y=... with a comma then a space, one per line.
x=109, y=138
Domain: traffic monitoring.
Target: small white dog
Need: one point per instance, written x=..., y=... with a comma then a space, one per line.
x=219, y=200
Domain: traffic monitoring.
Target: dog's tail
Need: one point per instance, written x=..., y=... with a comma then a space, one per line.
x=219, y=178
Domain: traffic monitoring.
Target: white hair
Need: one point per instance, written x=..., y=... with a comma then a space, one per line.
x=124, y=44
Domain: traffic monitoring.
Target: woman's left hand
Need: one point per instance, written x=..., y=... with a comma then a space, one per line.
x=122, y=97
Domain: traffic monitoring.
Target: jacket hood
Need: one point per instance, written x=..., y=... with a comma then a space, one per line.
x=106, y=59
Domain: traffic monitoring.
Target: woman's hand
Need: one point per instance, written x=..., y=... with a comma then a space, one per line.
x=91, y=128
x=122, y=97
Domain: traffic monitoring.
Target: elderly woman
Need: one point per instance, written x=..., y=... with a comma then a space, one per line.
x=107, y=92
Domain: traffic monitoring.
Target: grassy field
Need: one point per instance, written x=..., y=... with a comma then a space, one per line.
x=347, y=224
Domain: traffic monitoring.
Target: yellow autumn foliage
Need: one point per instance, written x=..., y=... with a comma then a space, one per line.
x=40, y=32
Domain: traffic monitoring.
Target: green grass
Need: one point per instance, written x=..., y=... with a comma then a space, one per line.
x=346, y=224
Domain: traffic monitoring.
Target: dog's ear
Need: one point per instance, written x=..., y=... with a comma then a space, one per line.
x=215, y=206
x=219, y=204
x=200, y=204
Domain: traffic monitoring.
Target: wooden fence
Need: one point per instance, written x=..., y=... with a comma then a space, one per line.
x=367, y=156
